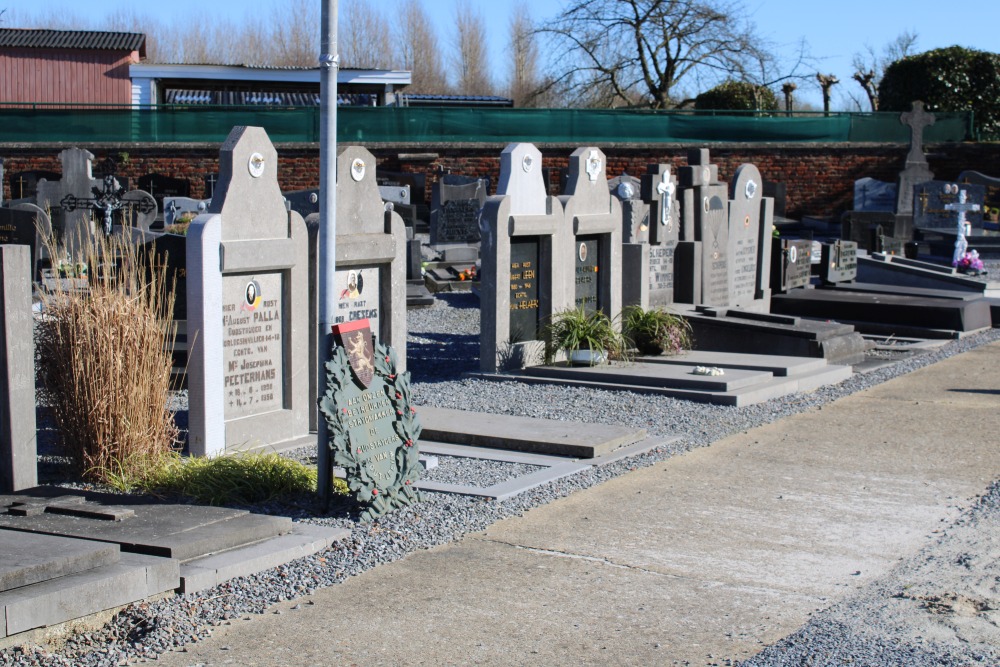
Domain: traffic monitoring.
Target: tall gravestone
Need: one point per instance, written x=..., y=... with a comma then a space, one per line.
x=702, y=273
x=18, y=452
x=78, y=182
x=247, y=294
x=526, y=270
x=916, y=170
x=659, y=189
x=751, y=217
x=595, y=218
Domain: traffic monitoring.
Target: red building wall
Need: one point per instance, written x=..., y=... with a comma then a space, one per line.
x=66, y=75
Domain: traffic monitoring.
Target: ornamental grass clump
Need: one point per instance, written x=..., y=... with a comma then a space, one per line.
x=104, y=365
x=656, y=331
x=572, y=330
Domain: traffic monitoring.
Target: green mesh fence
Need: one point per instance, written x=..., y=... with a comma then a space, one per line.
x=23, y=123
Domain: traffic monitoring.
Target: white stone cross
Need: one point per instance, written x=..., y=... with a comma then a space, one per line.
x=962, y=207
x=666, y=189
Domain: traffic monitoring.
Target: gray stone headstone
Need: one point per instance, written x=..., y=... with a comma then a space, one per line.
x=175, y=208
x=18, y=452
x=659, y=189
x=874, y=195
x=247, y=293
x=77, y=181
x=791, y=266
x=705, y=214
x=26, y=224
x=456, y=202
x=751, y=216
x=526, y=271
x=839, y=262
x=595, y=218
x=916, y=169
x=930, y=201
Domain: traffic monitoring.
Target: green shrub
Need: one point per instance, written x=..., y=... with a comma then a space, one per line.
x=573, y=330
x=949, y=79
x=737, y=96
x=656, y=331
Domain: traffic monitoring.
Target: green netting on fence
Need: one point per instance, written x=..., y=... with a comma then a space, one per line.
x=167, y=124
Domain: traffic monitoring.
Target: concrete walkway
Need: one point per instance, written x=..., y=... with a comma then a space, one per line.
x=708, y=556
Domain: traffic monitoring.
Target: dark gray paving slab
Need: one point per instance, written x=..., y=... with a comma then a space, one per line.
x=27, y=558
x=524, y=433
x=133, y=578
x=158, y=529
x=679, y=376
x=777, y=365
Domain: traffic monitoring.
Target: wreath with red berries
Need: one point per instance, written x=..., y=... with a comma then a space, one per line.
x=377, y=499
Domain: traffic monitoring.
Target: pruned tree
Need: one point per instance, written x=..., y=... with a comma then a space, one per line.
x=628, y=52
x=523, y=83
x=471, y=59
x=363, y=38
x=869, y=66
x=417, y=50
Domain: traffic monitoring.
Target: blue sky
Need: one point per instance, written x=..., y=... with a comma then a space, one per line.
x=834, y=30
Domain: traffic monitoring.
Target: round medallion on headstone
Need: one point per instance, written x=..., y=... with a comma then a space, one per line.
x=746, y=221
x=313, y=198
x=358, y=169
x=705, y=204
x=751, y=189
x=706, y=175
x=256, y=165
x=527, y=163
x=793, y=254
x=583, y=252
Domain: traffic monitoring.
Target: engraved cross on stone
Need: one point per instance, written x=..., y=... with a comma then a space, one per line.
x=917, y=119
x=666, y=189
x=963, y=207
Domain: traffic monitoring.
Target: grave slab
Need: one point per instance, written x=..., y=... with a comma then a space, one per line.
x=28, y=559
x=653, y=375
x=524, y=434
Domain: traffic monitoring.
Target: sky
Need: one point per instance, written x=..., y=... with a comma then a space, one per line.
x=834, y=30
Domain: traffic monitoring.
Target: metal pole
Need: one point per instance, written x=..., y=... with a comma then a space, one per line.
x=326, y=308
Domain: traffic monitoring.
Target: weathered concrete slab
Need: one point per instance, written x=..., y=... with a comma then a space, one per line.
x=133, y=578
x=26, y=558
x=168, y=530
x=305, y=540
x=524, y=433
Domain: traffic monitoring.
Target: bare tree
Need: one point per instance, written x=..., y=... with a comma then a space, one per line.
x=629, y=51
x=471, y=59
x=523, y=83
x=417, y=50
x=295, y=34
x=869, y=66
x=363, y=39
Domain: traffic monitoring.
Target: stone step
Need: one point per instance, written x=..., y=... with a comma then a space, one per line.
x=27, y=558
x=304, y=540
x=641, y=374
x=777, y=365
x=134, y=577
x=524, y=434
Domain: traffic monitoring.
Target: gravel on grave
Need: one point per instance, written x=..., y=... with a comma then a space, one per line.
x=442, y=345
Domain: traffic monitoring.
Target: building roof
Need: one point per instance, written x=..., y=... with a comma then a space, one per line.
x=420, y=99
x=73, y=39
x=175, y=72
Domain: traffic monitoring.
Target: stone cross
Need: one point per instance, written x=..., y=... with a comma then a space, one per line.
x=917, y=119
x=962, y=207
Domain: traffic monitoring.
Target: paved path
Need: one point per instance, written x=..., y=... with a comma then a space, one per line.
x=708, y=556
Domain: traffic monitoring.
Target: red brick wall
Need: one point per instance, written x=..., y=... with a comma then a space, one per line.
x=819, y=178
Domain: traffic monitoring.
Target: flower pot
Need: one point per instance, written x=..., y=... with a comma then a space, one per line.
x=587, y=357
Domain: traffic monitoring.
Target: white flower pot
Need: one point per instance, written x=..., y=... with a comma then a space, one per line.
x=587, y=357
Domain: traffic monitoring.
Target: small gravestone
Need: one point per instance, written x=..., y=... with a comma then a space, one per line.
x=181, y=210
x=594, y=217
x=526, y=262
x=160, y=186
x=931, y=200
x=24, y=184
x=791, y=266
x=751, y=216
x=862, y=227
x=455, y=205
x=18, y=455
x=26, y=224
x=247, y=294
x=874, y=195
x=838, y=262
x=373, y=428
x=916, y=169
x=992, y=189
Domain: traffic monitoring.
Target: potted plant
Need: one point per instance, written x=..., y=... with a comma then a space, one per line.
x=656, y=331
x=586, y=338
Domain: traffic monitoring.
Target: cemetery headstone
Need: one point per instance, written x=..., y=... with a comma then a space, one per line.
x=416, y=209
x=635, y=212
x=160, y=186
x=791, y=266
x=595, y=218
x=455, y=205
x=839, y=262
x=178, y=210
x=931, y=201
x=992, y=193
x=874, y=195
x=961, y=209
x=24, y=184
x=705, y=220
x=916, y=169
x=18, y=452
x=247, y=295
x=210, y=181
x=526, y=273
x=659, y=189
x=373, y=428
x=303, y=202
x=751, y=216
x=864, y=227
x=26, y=224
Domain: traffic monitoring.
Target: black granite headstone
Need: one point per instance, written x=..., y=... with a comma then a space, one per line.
x=791, y=264
x=24, y=184
x=18, y=228
x=587, y=257
x=930, y=199
x=524, y=281
x=838, y=262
